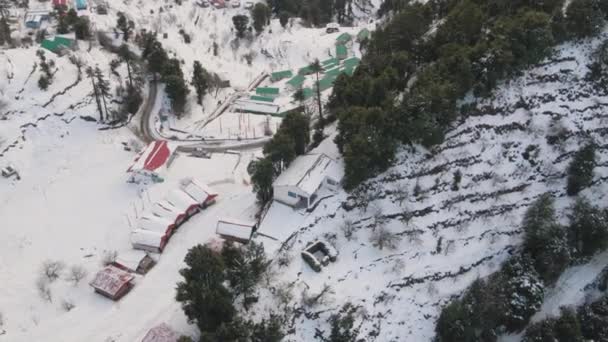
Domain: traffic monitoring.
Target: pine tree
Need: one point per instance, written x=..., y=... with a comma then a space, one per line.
x=260, y=14
x=283, y=18
x=580, y=170
x=200, y=81
x=104, y=89
x=262, y=178
x=202, y=294
x=177, y=91
x=126, y=56
x=82, y=28
x=125, y=26
x=91, y=74
x=588, y=228
x=316, y=68
x=240, y=24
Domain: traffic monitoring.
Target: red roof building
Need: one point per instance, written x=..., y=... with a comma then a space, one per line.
x=112, y=282
x=161, y=333
x=152, y=161
x=60, y=3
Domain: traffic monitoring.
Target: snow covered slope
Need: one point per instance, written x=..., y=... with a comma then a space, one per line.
x=448, y=237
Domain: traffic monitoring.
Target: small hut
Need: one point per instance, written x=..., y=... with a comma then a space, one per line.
x=200, y=192
x=134, y=261
x=235, y=230
x=112, y=282
x=149, y=241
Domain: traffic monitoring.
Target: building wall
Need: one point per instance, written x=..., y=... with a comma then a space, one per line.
x=289, y=195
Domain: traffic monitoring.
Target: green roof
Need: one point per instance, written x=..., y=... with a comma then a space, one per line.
x=261, y=98
x=326, y=83
x=343, y=38
x=333, y=72
x=341, y=51
x=56, y=44
x=332, y=60
x=267, y=91
x=67, y=42
x=279, y=75
x=351, y=62
x=308, y=93
x=349, y=70
x=307, y=70
x=331, y=65
x=363, y=34
x=296, y=81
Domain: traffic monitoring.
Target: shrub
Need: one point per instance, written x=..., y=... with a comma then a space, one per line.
x=580, y=170
x=588, y=228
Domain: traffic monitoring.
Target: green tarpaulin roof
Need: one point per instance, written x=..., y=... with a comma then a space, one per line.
x=351, y=62
x=349, y=70
x=279, y=75
x=267, y=91
x=308, y=93
x=326, y=83
x=55, y=44
x=296, y=81
x=363, y=34
x=333, y=72
x=261, y=98
x=329, y=61
x=343, y=38
x=341, y=51
x=307, y=70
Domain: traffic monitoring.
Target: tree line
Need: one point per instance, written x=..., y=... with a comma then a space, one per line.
x=506, y=300
x=407, y=87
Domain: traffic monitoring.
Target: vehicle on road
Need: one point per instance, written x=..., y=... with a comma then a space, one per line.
x=236, y=3
x=8, y=171
x=248, y=4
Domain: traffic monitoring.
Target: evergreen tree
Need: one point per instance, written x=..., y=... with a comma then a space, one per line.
x=125, y=26
x=43, y=82
x=588, y=228
x=156, y=57
x=297, y=125
x=202, y=294
x=126, y=56
x=91, y=74
x=580, y=170
x=82, y=28
x=200, y=81
x=283, y=18
x=104, y=89
x=62, y=25
x=244, y=267
x=240, y=24
x=315, y=67
x=584, y=18
x=343, y=325
x=262, y=178
x=281, y=151
x=261, y=15
x=177, y=91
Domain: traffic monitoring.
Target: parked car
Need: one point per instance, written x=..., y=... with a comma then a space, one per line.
x=236, y=3
x=248, y=4
x=8, y=171
x=332, y=27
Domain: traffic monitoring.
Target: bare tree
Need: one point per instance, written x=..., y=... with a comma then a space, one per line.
x=42, y=284
x=51, y=269
x=377, y=215
x=77, y=273
x=67, y=305
x=348, y=228
x=382, y=238
x=401, y=192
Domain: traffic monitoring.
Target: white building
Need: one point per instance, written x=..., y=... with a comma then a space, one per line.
x=299, y=185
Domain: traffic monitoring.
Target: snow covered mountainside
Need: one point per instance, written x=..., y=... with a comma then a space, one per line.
x=513, y=147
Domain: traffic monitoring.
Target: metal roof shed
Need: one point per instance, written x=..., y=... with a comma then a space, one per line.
x=279, y=75
x=363, y=35
x=296, y=82
x=343, y=38
x=267, y=91
x=261, y=98
x=341, y=51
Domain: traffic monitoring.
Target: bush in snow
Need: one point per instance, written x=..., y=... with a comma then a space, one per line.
x=67, y=305
x=580, y=170
x=382, y=238
x=42, y=285
x=348, y=228
x=343, y=327
x=77, y=273
x=51, y=269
